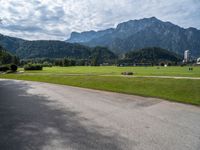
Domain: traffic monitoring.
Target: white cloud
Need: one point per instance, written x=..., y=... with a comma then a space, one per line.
x=47, y=19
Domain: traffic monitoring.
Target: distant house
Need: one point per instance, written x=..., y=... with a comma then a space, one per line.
x=198, y=61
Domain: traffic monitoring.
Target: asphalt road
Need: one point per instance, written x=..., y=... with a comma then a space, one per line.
x=42, y=116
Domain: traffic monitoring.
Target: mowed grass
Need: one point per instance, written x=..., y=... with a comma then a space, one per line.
x=113, y=70
x=179, y=90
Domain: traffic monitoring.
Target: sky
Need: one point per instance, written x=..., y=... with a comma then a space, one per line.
x=56, y=19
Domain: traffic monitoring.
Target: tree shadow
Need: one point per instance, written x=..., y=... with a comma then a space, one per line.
x=28, y=122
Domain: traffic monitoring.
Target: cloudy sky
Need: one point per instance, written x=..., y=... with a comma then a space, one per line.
x=56, y=19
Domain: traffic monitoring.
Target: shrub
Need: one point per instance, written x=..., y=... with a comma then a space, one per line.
x=33, y=67
x=13, y=68
x=47, y=64
x=4, y=68
x=169, y=64
x=162, y=64
x=182, y=65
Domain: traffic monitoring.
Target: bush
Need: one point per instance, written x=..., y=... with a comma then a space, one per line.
x=33, y=67
x=13, y=68
x=182, y=65
x=47, y=64
x=4, y=68
x=169, y=64
x=162, y=64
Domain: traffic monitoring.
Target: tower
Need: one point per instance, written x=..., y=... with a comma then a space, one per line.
x=186, y=56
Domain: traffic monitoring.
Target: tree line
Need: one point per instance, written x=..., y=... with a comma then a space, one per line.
x=98, y=56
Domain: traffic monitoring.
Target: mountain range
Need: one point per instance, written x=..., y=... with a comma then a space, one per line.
x=152, y=55
x=127, y=36
x=6, y=57
x=137, y=34
x=11, y=43
x=25, y=49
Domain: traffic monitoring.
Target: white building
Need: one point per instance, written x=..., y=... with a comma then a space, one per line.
x=186, y=56
x=198, y=61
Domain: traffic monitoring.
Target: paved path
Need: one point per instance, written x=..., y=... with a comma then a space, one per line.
x=42, y=116
x=112, y=75
x=173, y=77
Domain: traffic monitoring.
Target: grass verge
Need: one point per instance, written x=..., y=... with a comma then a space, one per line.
x=179, y=90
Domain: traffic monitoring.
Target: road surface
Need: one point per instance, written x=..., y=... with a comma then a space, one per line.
x=42, y=116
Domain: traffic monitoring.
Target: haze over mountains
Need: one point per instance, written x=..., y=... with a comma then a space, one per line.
x=137, y=34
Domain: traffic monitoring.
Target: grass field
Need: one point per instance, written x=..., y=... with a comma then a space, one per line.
x=180, y=90
x=113, y=70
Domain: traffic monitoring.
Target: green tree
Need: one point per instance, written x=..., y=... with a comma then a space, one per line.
x=65, y=62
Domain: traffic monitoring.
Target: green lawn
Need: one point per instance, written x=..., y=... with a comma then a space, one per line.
x=180, y=90
x=113, y=70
